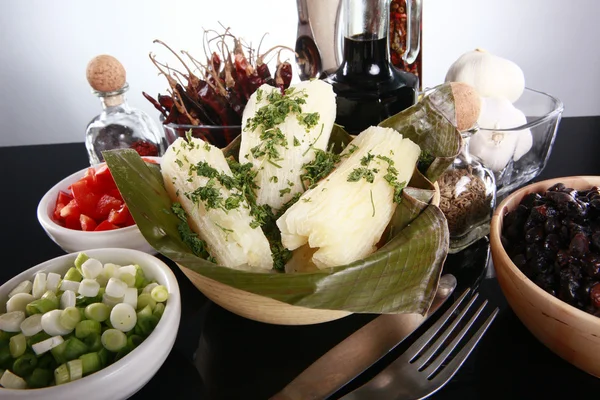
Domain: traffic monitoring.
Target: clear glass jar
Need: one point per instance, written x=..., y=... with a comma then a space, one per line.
x=121, y=126
x=468, y=198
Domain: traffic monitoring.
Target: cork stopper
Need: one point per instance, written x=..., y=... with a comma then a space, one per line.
x=105, y=73
x=467, y=104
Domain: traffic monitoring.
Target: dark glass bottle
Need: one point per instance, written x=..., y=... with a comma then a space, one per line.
x=369, y=88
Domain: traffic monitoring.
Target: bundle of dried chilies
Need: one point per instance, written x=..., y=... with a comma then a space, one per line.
x=218, y=92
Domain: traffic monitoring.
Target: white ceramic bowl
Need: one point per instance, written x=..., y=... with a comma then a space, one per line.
x=71, y=240
x=128, y=375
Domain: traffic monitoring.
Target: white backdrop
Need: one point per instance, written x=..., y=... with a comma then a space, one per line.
x=45, y=47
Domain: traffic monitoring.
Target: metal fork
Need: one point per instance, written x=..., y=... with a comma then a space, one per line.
x=420, y=371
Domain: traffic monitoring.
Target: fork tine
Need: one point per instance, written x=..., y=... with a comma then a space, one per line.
x=449, y=370
x=430, y=352
x=411, y=353
x=442, y=356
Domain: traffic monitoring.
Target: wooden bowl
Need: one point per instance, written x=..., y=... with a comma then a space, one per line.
x=264, y=309
x=569, y=332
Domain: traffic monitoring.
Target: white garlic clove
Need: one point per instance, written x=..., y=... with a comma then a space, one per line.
x=490, y=75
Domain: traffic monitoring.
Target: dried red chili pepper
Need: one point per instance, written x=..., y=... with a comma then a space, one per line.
x=145, y=148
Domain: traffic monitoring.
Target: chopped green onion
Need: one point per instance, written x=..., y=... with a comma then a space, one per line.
x=61, y=374
x=75, y=368
x=87, y=327
x=73, y=274
x=39, y=378
x=75, y=348
x=145, y=325
x=70, y=317
x=5, y=358
x=46, y=361
x=145, y=299
x=58, y=353
x=53, y=281
x=12, y=381
x=91, y=268
x=41, y=306
x=91, y=362
x=106, y=357
x=146, y=311
x=50, y=295
x=19, y=302
x=39, y=285
x=18, y=345
x=123, y=317
x=81, y=258
x=159, y=310
x=46, y=345
x=148, y=288
x=68, y=299
x=38, y=337
x=97, y=311
x=31, y=325
x=93, y=342
x=69, y=285
x=127, y=278
x=25, y=364
x=116, y=288
x=134, y=341
x=89, y=287
x=11, y=321
x=159, y=294
x=51, y=324
x=7, y=335
x=23, y=287
x=140, y=278
x=114, y=339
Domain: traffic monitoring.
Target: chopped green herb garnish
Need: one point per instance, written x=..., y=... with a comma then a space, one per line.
x=296, y=141
x=362, y=172
x=367, y=159
x=372, y=203
x=392, y=178
x=319, y=168
x=309, y=120
x=189, y=237
x=284, y=191
x=259, y=94
x=274, y=179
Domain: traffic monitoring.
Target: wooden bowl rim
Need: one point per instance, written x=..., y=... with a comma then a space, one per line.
x=506, y=262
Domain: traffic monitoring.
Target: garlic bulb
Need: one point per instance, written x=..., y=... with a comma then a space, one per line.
x=496, y=148
x=490, y=75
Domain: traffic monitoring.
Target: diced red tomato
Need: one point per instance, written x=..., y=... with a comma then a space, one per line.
x=104, y=180
x=85, y=197
x=106, y=204
x=149, y=160
x=71, y=210
x=106, y=226
x=93, y=204
x=116, y=194
x=62, y=200
x=87, y=223
x=119, y=216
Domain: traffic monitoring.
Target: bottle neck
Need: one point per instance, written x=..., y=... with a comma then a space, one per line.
x=112, y=102
x=366, y=43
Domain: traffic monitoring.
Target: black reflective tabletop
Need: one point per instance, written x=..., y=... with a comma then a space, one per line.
x=219, y=355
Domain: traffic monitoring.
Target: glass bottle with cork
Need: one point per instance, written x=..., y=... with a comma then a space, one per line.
x=369, y=88
x=119, y=125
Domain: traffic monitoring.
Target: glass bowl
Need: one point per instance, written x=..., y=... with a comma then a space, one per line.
x=543, y=113
x=219, y=136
